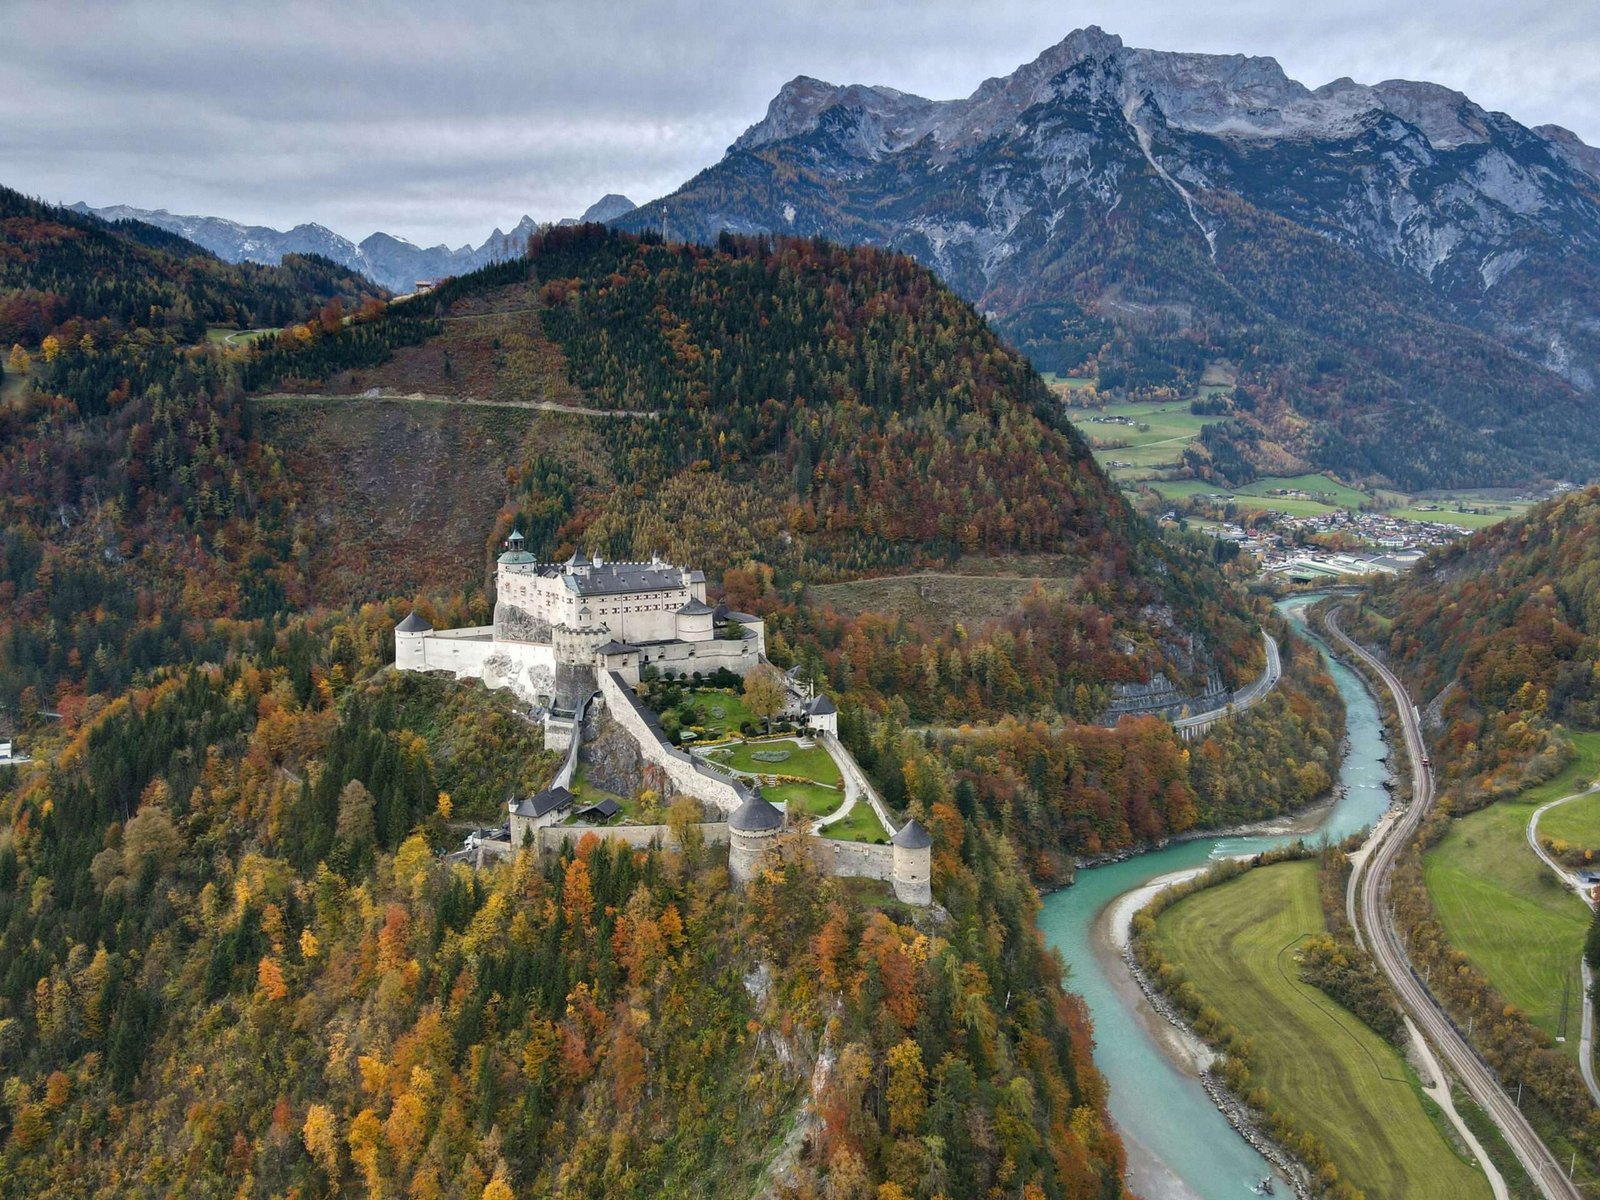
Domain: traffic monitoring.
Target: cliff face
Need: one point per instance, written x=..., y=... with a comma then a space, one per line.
x=1104, y=193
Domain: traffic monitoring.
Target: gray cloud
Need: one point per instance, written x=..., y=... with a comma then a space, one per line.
x=437, y=122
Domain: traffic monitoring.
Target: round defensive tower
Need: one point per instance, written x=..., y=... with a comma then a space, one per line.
x=751, y=829
x=913, y=863
x=408, y=643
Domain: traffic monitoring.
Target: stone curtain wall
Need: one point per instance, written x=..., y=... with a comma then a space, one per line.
x=856, y=859
x=640, y=837
x=685, y=774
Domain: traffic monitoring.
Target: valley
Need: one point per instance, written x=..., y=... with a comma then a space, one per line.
x=1033, y=645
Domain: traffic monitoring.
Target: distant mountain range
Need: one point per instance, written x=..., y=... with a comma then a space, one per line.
x=391, y=261
x=1408, y=284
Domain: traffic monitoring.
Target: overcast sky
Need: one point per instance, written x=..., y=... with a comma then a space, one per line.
x=438, y=121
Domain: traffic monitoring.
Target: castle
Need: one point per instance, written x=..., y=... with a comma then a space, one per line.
x=569, y=636
x=556, y=624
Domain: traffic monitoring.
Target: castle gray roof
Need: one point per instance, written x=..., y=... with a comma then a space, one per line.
x=755, y=815
x=616, y=647
x=912, y=836
x=547, y=801
x=609, y=579
x=413, y=624
x=517, y=557
x=695, y=609
x=820, y=707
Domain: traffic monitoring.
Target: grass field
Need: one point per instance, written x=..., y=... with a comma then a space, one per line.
x=1158, y=438
x=1331, y=1074
x=810, y=762
x=1503, y=909
x=811, y=799
x=862, y=825
x=1579, y=821
x=720, y=710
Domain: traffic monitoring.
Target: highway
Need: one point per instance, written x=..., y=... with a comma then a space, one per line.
x=1370, y=880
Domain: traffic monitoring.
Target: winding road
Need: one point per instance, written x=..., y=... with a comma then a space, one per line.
x=1586, y=894
x=1370, y=881
x=1245, y=696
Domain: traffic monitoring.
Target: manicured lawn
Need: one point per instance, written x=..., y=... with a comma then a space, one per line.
x=1331, y=1074
x=812, y=762
x=720, y=711
x=862, y=825
x=812, y=799
x=1506, y=912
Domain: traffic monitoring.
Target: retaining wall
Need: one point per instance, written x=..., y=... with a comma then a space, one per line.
x=687, y=775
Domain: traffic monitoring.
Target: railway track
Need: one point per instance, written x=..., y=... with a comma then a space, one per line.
x=1370, y=883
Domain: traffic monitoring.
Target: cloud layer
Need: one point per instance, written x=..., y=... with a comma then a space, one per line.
x=437, y=122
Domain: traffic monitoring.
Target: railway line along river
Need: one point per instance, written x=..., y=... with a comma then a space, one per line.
x=1179, y=1146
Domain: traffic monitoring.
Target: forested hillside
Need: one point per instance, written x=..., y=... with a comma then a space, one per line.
x=1501, y=631
x=234, y=966
x=232, y=962
x=59, y=267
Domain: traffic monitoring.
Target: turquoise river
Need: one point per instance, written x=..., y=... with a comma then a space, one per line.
x=1179, y=1146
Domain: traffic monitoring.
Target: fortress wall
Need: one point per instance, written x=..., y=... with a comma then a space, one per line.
x=688, y=657
x=685, y=774
x=856, y=859
x=640, y=837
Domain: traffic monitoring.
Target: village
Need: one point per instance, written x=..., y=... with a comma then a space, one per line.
x=1326, y=546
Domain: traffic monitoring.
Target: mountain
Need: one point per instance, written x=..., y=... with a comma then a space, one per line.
x=64, y=274
x=1407, y=282
x=603, y=211
x=390, y=261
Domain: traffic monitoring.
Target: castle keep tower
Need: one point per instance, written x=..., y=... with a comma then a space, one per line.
x=751, y=830
x=913, y=863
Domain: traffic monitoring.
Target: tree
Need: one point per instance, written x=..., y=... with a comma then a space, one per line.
x=764, y=694
x=355, y=826
x=151, y=838
x=320, y=1134
x=907, y=1093
x=18, y=362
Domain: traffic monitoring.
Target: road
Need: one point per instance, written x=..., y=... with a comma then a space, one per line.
x=1586, y=894
x=1371, y=880
x=1245, y=696
x=549, y=406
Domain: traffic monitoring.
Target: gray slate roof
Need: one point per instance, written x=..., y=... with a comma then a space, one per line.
x=413, y=624
x=755, y=815
x=820, y=707
x=547, y=801
x=695, y=609
x=609, y=579
x=616, y=647
x=912, y=836
x=602, y=811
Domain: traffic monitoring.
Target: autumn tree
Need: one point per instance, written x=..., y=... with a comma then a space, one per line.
x=763, y=694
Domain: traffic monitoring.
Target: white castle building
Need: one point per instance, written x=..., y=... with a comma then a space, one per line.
x=552, y=621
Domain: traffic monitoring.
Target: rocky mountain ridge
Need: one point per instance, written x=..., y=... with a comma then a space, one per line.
x=1104, y=194
x=392, y=261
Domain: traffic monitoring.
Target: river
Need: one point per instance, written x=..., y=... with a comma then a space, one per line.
x=1179, y=1146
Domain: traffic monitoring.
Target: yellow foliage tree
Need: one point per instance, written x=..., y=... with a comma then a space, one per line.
x=269, y=979
x=320, y=1134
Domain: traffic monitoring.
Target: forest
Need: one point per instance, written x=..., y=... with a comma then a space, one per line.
x=234, y=962
x=1501, y=631
x=216, y=1005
